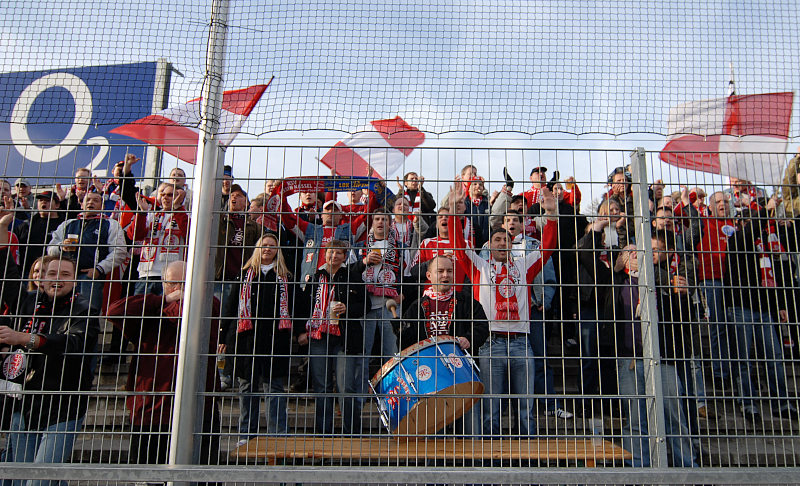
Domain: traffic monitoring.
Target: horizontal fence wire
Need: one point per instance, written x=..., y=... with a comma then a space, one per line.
x=519, y=339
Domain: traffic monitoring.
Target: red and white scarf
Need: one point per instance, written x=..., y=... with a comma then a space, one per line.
x=381, y=279
x=321, y=321
x=436, y=323
x=773, y=246
x=245, y=303
x=505, y=292
x=405, y=236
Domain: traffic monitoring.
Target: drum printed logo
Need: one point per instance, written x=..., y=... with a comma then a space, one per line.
x=392, y=398
x=424, y=373
x=455, y=360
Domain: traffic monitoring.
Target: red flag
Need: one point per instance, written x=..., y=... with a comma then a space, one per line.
x=739, y=136
x=383, y=147
x=176, y=130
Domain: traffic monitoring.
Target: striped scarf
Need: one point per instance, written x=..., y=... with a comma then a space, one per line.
x=321, y=321
x=245, y=322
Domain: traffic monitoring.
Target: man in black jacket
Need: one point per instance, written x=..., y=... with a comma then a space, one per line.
x=48, y=349
x=442, y=311
x=35, y=233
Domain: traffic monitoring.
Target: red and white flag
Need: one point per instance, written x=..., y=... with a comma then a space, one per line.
x=738, y=136
x=384, y=146
x=176, y=130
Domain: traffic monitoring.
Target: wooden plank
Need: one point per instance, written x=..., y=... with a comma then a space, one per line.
x=402, y=449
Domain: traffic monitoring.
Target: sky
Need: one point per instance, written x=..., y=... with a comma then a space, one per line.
x=524, y=76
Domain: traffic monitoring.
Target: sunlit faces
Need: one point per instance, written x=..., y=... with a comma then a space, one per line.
x=513, y=224
x=500, y=243
x=5, y=189
x=441, y=223
x=46, y=206
x=401, y=207
x=718, y=202
x=660, y=253
x=619, y=184
x=476, y=189
x=269, y=249
x=82, y=179
x=411, y=181
x=177, y=177
x=308, y=198
x=380, y=223
x=440, y=273
x=664, y=220
x=92, y=202
x=335, y=257
x=237, y=202
x=558, y=190
x=59, y=278
x=174, y=277
x=331, y=216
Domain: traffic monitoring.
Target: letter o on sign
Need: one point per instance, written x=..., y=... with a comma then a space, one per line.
x=80, y=124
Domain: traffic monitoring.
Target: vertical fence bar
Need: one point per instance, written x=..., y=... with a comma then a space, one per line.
x=649, y=313
x=202, y=231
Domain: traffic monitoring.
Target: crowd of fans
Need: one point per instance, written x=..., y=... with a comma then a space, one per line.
x=308, y=303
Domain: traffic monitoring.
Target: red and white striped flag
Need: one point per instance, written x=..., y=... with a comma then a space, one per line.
x=738, y=136
x=176, y=130
x=384, y=146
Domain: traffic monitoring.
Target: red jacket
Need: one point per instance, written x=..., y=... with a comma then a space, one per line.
x=712, y=248
x=153, y=326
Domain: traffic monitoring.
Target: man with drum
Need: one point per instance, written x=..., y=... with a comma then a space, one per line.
x=502, y=284
x=441, y=311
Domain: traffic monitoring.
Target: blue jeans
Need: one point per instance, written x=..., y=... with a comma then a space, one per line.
x=713, y=290
x=635, y=431
x=51, y=445
x=148, y=286
x=250, y=405
x=326, y=358
x=590, y=350
x=91, y=289
x=508, y=367
x=377, y=321
x=543, y=378
x=752, y=327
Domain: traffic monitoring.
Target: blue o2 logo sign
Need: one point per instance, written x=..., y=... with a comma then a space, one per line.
x=54, y=122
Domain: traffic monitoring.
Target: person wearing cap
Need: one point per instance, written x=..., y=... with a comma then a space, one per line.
x=538, y=178
x=227, y=182
x=35, y=233
x=316, y=236
x=24, y=197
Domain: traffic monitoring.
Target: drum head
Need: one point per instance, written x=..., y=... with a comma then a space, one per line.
x=413, y=349
x=434, y=412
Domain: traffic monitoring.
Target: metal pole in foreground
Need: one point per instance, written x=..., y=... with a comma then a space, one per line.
x=195, y=322
x=651, y=354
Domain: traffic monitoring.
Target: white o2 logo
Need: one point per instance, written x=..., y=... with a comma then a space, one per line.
x=80, y=124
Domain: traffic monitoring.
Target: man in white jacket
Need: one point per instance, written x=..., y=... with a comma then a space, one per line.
x=95, y=242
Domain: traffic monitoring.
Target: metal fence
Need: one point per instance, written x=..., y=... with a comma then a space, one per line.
x=642, y=349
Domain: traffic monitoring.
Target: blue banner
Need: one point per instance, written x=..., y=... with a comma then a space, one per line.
x=56, y=121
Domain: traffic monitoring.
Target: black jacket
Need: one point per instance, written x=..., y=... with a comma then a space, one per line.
x=61, y=364
x=34, y=234
x=265, y=349
x=470, y=322
x=349, y=289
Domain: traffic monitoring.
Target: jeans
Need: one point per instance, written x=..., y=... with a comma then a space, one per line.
x=250, y=405
x=148, y=286
x=713, y=291
x=507, y=366
x=590, y=350
x=91, y=289
x=326, y=357
x=543, y=378
x=752, y=327
x=376, y=321
x=51, y=445
x=635, y=431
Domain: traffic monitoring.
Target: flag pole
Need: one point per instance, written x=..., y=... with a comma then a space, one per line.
x=195, y=322
x=731, y=83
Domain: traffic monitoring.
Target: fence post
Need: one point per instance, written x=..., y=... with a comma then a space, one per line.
x=651, y=354
x=195, y=319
